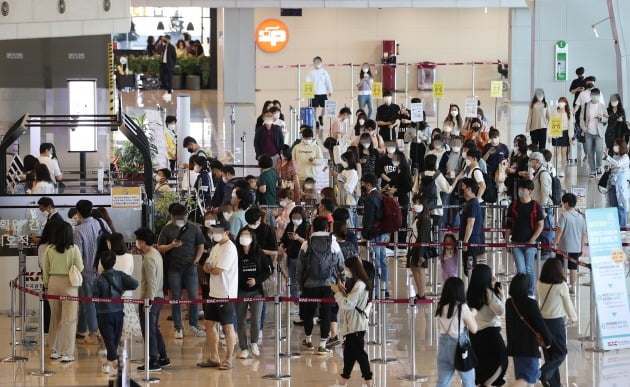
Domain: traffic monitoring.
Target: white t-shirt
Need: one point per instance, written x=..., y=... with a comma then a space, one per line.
x=224, y=256
x=444, y=323
x=51, y=164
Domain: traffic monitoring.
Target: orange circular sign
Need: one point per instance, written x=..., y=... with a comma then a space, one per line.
x=272, y=35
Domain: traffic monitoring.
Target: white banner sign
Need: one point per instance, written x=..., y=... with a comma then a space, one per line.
x=330, y=108
x=470, y=108
x=417, y=110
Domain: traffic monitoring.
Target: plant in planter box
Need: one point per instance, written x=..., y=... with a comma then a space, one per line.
x=204, y=65
x=153, y=65
x=134, y=63
x=178, y=82
x=189, y=65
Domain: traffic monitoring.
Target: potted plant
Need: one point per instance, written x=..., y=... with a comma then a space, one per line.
x=204, y=65
x=190, y=67
x=177, y=78
x=153, y=65
x=162, y=201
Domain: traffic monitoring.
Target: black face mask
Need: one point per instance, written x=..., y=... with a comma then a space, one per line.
x=476, y=128
x=190, y=150
x=590, y=85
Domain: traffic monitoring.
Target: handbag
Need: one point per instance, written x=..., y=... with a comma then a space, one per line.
x=270, y=286
x=75, y=277
x=539, y=339
x=602, y=185
x=465, y=357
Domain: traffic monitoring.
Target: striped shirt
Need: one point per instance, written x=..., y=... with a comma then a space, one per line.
x=86, y=238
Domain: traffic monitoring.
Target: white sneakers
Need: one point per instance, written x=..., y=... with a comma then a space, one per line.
x=244, y=354
x=107, y=368
x=255, y=350
x=178, y=334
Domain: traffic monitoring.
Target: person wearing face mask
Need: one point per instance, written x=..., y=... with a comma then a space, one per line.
x=287, y=175
x=161, y=180
x=563, y=111
x=322, y=88
x=194, y=149
x=542, y=194
x=617, y=126
x=203, y=185
x=418, y=257
x=254, y=267
x=268, y=138
x=474, y=132
x=365, y=89
x=471, y=227
x=348, y=183
x=170, y=135
x=399, y=185
x=294, y=235
x=283, y=215
x=578, y=84
x=593, y=119
x=222, y=265
x=209, y=220
x=538, y=119
x=277, y=121
x=388, y=117
x=368, y=155
x=241, y=201
x=585, y=95
x=182, y=245
x=518, y=168
x=308, y=157
x=442, y=189
x=376, y=139
x=353, y=299
x=437, y=147
x=46, y=151
x=523, y=225
x=339, y=128
x=494, y=152
x=451, y=162
x=453, y=122
x=359, y=125
x=229, y=179
x=267, y=183
x=618, y=181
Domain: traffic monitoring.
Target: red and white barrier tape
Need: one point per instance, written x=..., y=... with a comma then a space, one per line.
x=380, y=64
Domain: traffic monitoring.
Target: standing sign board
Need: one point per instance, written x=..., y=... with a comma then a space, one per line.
x=496, y=89
x=608, y=277
x=470, y=107
x=377, y=89
x=580, y=193
x=555, y=127
x=308, y=90
x=438, y=89
x=417, y=112
x=330, y=108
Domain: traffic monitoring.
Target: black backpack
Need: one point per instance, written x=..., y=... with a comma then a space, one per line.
x=429, y=191
x=556, y=188
x=490, y=195
x=321, y=264
x=101, y=243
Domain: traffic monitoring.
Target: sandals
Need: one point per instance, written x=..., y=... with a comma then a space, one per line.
x=225, y=365
x=208, y=364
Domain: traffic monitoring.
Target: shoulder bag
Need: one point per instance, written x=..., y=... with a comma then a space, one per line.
x=75, y=277
x=539, y=338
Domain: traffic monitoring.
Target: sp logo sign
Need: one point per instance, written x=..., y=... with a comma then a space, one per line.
x=272, y=35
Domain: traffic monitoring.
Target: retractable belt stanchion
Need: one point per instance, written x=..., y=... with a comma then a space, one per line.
x=14, y=358
x=395, y=261
x=595, y=337
x=288, y=353
x=460, y=256
x=412, y=377
x=42, y=371
x=147, y=310
x=22, y=295
x=436, y=262
x=538, y=260
x=383, y=327
x=373, y=338
x=278, y=323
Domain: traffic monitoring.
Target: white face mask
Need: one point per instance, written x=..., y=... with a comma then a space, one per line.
x=297, y=222
x=395, y=163
x=361, y=121
x=347, y=272
x=562, y=105
x=387, y=100
x=276, y=115
x=418, y=208
x=317, y=65
x=210, y=222
x=391, y=149
x=614, y=103
x=180, y=223
x=365, y=145
x=344, y=164
x=138, y=245
x=268, y=122
x=468, y=162
x=225, y=180
x=171, y=127
x=158, y=178
x=245, y=240
x=616, y=148
x=254, y=226
x=539, y=97
x=227, y=215
x=284, y=203
x=494, y=141
x=217, y=237
x=308, y=186
x=454, y=113
x=529, y=153
x=448, y=129
x=456, y=149
x=308, y=141
x=464, y=154
x=365, y=70
x=197, y=168
x=437, y=145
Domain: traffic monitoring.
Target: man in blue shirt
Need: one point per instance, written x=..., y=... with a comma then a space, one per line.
x=494, y=152
x=471, y=226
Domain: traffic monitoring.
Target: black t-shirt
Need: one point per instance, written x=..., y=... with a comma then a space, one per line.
x=388, y=114
x=522, y=219
x=266, y=237
x=577, y=82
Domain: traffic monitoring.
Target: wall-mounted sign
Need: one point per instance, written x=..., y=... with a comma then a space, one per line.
x=562, y=51
x=76, y=56
x=272, y=35
x=126, y=197
x=15, y=55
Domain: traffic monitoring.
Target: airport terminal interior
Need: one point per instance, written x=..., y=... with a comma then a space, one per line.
x=112, y=102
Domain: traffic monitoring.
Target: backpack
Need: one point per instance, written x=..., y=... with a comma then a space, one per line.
x=391, y=220
x=532, y=215
x=371, y=272
x=429, y=191
x=556, y=188
x=101, y=243
x=348, y=249
x=320, y=266
x=490, y=195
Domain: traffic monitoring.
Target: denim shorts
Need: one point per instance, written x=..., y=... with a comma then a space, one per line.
x=527, y=368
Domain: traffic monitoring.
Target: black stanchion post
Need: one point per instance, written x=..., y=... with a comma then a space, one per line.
x=412, y=377
x=147, y=310
x=13, y=358
x=42, y=371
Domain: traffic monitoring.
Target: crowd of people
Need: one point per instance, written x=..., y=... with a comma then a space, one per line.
x=395, y=179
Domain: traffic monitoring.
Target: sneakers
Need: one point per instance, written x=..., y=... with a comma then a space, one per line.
x=164, y=362
x=255, y=350
x=259, y=342
x=178, y=333
x=54, y=355
x=153, y=367
x=333, y=342
x=323, y=351
x=107, y=368
x=197, y=331
x=308, y=345
x=298, y=323
x=321, y=121
x=66, y=359
x=244, y=354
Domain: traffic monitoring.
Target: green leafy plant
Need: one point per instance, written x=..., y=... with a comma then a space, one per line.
x=177, y=70
x=128, y=157
x=189, y=65
x=204, y=64
x=134, y=63
x=162, y=201
x=153, y=64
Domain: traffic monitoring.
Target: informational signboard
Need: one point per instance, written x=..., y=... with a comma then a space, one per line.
x=330, y=108
x=127, y=197
x=377, y=90
x=272, y=35
x=496, y=89
x=308, y=90
x=470, y=108
x=580, y=193
x=608, y=277
x=417, y=112
x=555, y=126
x=438, y=89
x=562, y=51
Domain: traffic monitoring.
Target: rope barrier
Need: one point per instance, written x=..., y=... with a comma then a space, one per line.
x=289, y=66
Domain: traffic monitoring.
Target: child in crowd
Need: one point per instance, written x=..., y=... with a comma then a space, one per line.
x=111, y=283
x=449, y=257
x=252, y=181
x=309, y=195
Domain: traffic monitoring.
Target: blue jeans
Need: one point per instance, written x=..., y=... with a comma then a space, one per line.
x=177, y=281
x=87, y=310
x=446, y=367
x=524, y=260
x=292, y=265
x=548, y=236
x=380, y=256
x=618, y=197
x=593, y=147
x=110, y=325
x=366, y=100
x=157, y=348
x=554, y=356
